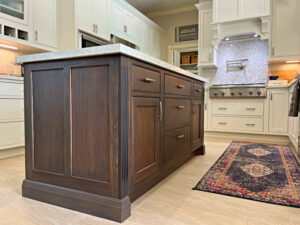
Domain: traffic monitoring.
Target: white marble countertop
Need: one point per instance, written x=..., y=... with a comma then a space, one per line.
x=282, y=85
x=105, y=50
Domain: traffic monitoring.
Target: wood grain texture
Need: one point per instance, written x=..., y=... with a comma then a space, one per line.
x=146, y=137
x=48, y=122
x=177, y=86
x=90, y=123
x=197, y=124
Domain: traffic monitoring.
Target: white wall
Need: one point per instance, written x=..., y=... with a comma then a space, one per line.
x=169, y=22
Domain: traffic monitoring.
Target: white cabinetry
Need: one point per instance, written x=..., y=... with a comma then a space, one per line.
x=92, y=16
x=293, y=124
x=285, y=41
x=230, y=10
x=15, y=10
x=206, y=50
x=278, y=111
x=45, y=22
x=11, y=112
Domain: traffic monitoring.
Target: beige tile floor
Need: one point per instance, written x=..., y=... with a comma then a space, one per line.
x=172, y=202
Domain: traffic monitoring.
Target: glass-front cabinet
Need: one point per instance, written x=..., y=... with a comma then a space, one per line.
x=15, y=10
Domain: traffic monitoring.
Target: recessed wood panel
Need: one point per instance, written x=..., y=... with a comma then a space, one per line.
x=145, y=80
x=197, y=124
x=146, y=135
x=90, y=123
x=48, y=120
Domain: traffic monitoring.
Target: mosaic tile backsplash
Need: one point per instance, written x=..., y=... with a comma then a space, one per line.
x=256, y=70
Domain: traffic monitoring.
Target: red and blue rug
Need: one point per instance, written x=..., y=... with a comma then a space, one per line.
x=262, y=172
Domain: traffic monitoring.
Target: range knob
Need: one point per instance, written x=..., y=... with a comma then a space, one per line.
x=250, y=92
x=259, y=93
x=232, y=93
x=223, y=93
x=215, y=94
x=240, y=93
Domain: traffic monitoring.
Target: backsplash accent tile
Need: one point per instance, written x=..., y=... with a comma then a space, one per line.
x=256, y=71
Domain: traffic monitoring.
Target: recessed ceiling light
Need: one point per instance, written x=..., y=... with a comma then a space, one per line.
x=8, y=46
x=292, y=61
x=227, y=39
x=255, y=35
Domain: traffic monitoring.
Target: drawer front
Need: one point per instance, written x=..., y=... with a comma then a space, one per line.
x=198, y=90
x=11, y=110
x=238, y=124
x=177, y=86
x=12, y=134
x=177, y=112
x=11, y=89
x=176, y=143
x=145, y=79
x=241, y=108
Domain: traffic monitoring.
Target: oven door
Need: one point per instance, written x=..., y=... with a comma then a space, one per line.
x=87, y=41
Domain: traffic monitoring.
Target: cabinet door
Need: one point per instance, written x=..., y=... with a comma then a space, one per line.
x=278, y=117
x=205, y=36
x=197, y=124
x=145, y=137
x=44, y=22
x=101, y=9
x=285, y=29
x=15, y=10
x=84, y=15
x=131, y=28
x=225, y=10
x=252, y=8
x=117, y=20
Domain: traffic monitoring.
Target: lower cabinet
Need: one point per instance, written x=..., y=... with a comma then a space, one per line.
x=278, y=111
x=146, y=137
x=197, y=124
x=176, y=144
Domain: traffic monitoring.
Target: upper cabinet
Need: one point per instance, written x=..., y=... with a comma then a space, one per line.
x=45, y=22
x=228, y=10
x=206, y=50
x=285, y=40
x=15, y=10
x=92, y=16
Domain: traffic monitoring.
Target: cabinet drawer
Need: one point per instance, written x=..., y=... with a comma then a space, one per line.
x=11, y=110
x=145, y=79
x=238, y=124
x=177, y=86
x=242, y=108
x=177, y=112
x=176, y=143
x=11, y=89
x=12, y=135
x=198, y=90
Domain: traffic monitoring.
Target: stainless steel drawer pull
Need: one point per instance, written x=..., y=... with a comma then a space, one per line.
x=250, y=124
x=180, y=86
x=199, y=90
x=180, y=107
x=222, y=108
x=222, y=123
x=149, y=80
x=251, y=109
x=180, y=136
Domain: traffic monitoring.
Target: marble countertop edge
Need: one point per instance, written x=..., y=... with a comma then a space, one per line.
x=105, y=50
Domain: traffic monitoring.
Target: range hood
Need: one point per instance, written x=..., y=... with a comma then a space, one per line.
x=241, y=37
x=242, y=29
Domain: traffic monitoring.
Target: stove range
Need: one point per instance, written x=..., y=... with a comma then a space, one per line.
x=258, y=90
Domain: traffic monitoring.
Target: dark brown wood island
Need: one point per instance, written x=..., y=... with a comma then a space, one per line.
x=103, y=125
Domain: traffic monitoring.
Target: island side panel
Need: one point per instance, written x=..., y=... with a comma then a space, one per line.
x=72, y=135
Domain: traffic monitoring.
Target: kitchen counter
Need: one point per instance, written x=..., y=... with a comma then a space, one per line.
x=282, y=85
x=105, y=50
x=106, y=124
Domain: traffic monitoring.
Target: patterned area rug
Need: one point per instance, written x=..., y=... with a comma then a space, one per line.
x=262, y=172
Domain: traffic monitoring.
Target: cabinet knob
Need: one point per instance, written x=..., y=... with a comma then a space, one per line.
x=149, y=80
x=180, y=86
x=199, y=90
x=180, y=107
x=180, y=136
x=222, y=123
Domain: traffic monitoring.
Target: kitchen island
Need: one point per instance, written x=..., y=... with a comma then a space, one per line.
x=103, y=125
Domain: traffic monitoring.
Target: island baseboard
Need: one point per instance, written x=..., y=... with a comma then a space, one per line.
x=109, y=208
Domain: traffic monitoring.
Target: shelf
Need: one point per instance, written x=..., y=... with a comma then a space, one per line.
x=192, y=64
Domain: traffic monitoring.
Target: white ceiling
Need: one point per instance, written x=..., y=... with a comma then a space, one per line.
x=150, y=6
